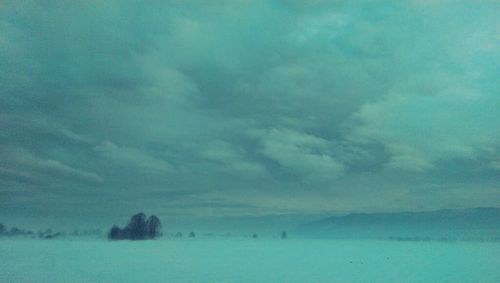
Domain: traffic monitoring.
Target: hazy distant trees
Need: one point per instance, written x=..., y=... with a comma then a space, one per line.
x=192, y=235
x=48, y=234
x=14, y=231
x=41, y=234
x=284, y=235
x=138, y=228
x=86, y=233
x=18, y=232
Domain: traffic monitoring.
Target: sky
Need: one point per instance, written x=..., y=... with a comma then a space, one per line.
x=231, y=108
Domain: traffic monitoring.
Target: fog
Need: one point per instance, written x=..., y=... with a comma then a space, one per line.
x=249, y=141
x=247, y=260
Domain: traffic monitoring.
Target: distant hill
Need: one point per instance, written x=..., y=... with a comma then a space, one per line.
x=452, y=224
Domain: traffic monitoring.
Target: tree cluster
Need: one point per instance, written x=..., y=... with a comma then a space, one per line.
x=138, y=228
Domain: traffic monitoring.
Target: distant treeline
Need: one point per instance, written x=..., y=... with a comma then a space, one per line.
x=138, y=228
x=44, y=234
x=442, y=239
x=14, y=231
x=283, y=235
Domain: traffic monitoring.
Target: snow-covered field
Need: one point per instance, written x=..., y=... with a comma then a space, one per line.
x=247, y=260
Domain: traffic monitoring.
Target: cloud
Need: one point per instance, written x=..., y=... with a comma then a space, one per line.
x=294, y=104
x=420, y=129
x=22, y=165
x=495, y=164
x=303, y=154
x=232, y=159
x=130, y=157
x=54, y=166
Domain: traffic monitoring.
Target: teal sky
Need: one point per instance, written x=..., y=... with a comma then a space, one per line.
x=217, y=108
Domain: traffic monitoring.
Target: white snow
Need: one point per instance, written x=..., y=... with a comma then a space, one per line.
x=247, y=260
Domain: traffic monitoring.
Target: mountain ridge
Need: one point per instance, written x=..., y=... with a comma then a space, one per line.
x=481, y=222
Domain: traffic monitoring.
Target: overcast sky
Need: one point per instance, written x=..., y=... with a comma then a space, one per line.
x=247, y=107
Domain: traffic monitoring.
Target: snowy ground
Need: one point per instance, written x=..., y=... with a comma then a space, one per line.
x=247, y=260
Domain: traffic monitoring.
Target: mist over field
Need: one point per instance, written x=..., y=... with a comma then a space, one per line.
x=249, y=141
x=244, y=260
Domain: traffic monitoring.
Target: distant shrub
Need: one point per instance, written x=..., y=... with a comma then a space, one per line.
x=284, y=235
x=138, y=228
x=3, y=229
x=53, y=236
x=192, y=235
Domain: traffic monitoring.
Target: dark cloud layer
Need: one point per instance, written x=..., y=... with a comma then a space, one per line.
x=247, y=107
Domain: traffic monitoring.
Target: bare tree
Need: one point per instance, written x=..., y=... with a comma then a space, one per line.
x=115, y=233
x=153, y=227
x=136, y=228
